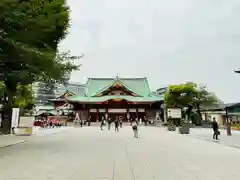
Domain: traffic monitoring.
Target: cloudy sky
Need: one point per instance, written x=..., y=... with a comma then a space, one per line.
x=169, y=42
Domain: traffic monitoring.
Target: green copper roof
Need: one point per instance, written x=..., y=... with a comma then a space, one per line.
x=138, y=86
x=106, y=98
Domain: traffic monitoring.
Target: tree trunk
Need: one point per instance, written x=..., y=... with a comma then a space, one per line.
x=189, y=113
x=199, y=114
x=6, y=120
x=7, y=110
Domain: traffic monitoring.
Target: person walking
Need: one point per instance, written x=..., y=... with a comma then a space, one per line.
x=81, y=123
x=109, y=123
x=215, y=128
x=89, y=121
x=120, y=122
x=136, y=120
x=145, y=121
x=135, y=129
x=102, y=123
x=116, y=125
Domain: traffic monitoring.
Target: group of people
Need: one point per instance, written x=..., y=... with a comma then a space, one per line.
x=118, y=122
x=82, y=122
x=47, y=123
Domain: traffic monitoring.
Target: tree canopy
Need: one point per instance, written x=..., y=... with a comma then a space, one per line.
x=188, y=96
x=24, y=97
x=30, y=31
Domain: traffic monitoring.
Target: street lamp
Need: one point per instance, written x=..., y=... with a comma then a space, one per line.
x=228, y=123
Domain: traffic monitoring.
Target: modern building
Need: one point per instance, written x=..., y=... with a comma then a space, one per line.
x=111, y=97
x=42, y=92
x=221, y=112
x=75, y=88
x=161, y=91
x=45, y=91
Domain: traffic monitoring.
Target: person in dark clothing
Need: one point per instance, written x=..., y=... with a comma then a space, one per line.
x=102, y=123
x=117, y=125
x=145, y=120
x=89, y=121
x=51, y=124
x=81, y=123
x=120, y=122
x=215, y=128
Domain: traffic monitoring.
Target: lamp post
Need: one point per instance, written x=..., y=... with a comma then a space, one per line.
x=228, y=123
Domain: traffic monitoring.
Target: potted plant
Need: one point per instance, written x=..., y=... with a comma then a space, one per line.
x=184, y=127
x=171, y=126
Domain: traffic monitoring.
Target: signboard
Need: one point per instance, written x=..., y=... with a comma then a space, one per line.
x=15, y=117
x=26, y=121
x=93, y=110
x=102, y=110
x=132, y=110
x=141, y=110
x=174, y=113
x=117, y=110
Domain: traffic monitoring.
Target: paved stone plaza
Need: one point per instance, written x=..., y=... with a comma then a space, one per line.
x=206, y=134
x=90, y=154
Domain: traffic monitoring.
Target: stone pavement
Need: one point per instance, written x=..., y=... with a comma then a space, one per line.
x=9, y=140
x=91, y=154
x=207, y=133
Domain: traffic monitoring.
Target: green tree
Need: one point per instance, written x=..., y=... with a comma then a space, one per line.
x=24, y=97
x=30, y=32
x=188, y=96
x=2, y=88
x=203, y=99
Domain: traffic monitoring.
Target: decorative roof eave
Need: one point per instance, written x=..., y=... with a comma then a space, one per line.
x=94, y=102
x=107, y=98
x=99, y=93
x=65, y=106
x=65, y=93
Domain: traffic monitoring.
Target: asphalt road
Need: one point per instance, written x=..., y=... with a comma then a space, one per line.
x=91, y=154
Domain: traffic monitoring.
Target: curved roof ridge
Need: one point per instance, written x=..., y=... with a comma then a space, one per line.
x=147, y=86
x=130, y=89
x=115, y=80
x=87, y=86
x=105, y=87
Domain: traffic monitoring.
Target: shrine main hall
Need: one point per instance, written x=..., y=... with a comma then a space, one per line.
x=111, y=97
